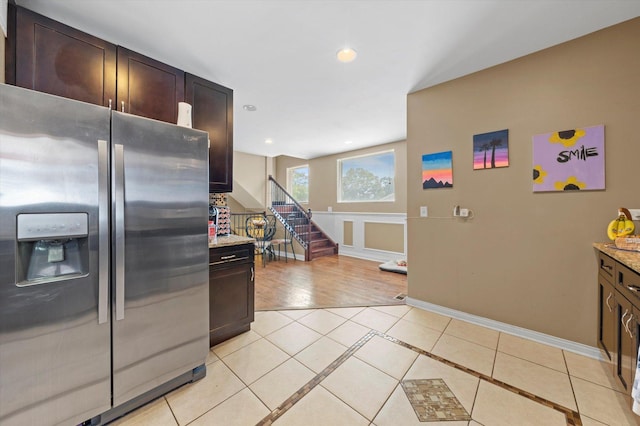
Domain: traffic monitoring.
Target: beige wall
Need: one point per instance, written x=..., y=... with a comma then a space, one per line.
x=250, y=174
x=347, y=232
x=323, y=180
x=384, y=236
x=525, y=259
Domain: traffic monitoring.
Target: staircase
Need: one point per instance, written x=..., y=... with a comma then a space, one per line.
x=298, y=222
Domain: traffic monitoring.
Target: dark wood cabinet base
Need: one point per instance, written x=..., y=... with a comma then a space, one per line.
x=231, y=291
x=219, y=336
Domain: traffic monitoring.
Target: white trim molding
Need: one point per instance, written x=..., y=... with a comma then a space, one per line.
x=332, y=223
x=568, y=345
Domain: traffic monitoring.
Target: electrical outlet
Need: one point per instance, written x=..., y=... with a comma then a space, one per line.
x=464, y=212
x=423, y=211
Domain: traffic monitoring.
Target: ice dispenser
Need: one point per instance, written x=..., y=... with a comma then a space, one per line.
x=51, y=247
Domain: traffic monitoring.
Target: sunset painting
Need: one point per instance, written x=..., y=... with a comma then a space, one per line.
x=491, y=150
x=437, y=170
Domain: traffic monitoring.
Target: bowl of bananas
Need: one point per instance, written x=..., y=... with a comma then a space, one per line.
x=620, y=230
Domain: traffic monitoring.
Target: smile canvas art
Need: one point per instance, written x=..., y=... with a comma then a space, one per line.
x=569, y=160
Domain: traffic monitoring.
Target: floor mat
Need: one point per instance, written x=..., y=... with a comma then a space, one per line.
x=432, y=400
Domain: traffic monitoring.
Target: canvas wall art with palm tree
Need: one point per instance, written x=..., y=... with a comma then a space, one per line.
x=491, y=150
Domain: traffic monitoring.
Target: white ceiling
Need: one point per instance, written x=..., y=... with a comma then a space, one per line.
x=279, y=55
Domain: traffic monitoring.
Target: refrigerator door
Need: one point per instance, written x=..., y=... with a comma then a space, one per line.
x=55, y=358
x=160, y=252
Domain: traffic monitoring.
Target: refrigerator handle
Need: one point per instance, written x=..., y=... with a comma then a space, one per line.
x=119, y=231
x=103, y=231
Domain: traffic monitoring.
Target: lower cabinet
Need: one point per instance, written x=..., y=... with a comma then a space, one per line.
x=619, y=318
x=231, y=291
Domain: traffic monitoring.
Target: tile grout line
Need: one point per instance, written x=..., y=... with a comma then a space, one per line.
x=304, y=390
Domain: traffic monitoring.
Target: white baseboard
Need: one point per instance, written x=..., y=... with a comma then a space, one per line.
x=369, y=254
x=568, y=345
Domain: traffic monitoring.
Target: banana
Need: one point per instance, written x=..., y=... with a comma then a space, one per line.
x=612, y=229
x=621, y=219
x=621, y=226
x=628, y=229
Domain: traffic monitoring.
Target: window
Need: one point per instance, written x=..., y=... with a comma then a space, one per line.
x=298, y=183
x=367, y=178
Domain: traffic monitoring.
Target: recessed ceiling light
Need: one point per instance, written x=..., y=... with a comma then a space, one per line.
x=249, y=107
x=268, y=141
x=346, y=55
x=348, y=142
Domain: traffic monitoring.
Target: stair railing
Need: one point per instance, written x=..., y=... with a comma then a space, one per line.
x=291, y=214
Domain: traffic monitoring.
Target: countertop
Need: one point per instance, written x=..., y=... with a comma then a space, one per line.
x=230, y=240
x=630, y=259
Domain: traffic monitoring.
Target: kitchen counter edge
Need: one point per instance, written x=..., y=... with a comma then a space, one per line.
x=630, y=259
x=230, y=240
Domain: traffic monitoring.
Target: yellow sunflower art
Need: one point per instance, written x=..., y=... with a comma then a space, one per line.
x=569, y=160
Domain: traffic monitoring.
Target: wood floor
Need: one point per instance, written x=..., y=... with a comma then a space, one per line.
x=326, y=282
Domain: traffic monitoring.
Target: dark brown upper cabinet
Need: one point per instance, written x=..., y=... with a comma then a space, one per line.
x=147, y=87
x=212, y=111
x=45, y=55
x=48, y=56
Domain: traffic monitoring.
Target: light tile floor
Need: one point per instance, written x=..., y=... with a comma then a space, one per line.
x=344, y=366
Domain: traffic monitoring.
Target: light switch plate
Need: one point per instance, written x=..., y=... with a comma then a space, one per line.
x=423, y=211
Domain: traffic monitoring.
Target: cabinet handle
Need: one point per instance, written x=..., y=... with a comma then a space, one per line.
x=227, y=257
x=122, y=106
x=253, y=275
x=109, y=103
x=606, y=267
x=607, y=302
x=626, y=311
x=634, y=288
x=626, y=325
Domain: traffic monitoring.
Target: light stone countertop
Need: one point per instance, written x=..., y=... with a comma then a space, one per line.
x=230, y=240
x=630, y=259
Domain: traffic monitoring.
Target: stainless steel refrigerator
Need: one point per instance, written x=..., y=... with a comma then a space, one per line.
x=103, y=259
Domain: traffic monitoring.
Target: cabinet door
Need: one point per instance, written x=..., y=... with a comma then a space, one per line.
x=231, y=300
x=606, y=317
x=212, y=109
x=147, y=87
x=53, y=58
x=625, y=364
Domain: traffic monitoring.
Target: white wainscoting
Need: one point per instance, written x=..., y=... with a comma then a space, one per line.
x=332, y=223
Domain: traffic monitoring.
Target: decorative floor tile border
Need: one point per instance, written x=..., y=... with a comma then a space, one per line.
x=572, y=417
